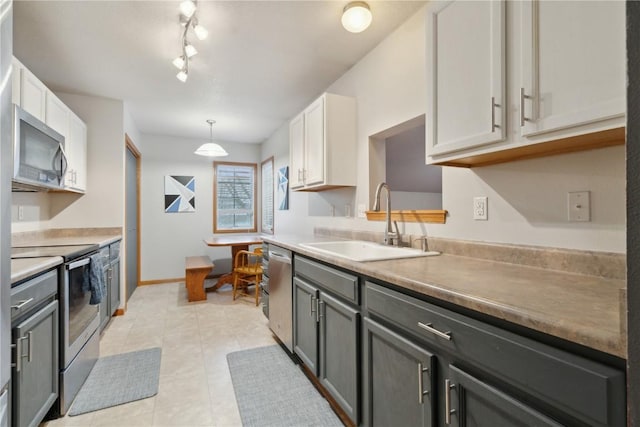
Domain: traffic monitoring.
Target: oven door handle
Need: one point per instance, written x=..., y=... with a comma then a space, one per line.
x=77, y=264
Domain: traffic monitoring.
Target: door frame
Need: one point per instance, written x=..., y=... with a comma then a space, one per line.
x=129, y=145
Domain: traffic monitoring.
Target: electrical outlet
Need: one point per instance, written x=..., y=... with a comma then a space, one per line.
x=480, y=208
x=20, y=213
x=579, y=206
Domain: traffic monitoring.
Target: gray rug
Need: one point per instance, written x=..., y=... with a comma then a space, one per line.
x=119, y=379
x=272, y=391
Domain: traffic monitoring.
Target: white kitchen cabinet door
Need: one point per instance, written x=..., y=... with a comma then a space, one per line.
x=16, y=68
x=296, y=149
x=76, y=177
x=56, y=114
x=322, y=144
x=573, y=64
x=314, y=138
x=32, y=94
x=466, y=100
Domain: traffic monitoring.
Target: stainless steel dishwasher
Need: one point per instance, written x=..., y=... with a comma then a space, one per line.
x=280, y=295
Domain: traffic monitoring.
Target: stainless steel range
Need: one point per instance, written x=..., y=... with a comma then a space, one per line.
x=79, y=320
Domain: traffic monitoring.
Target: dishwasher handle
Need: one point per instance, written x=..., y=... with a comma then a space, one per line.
x=279, y=257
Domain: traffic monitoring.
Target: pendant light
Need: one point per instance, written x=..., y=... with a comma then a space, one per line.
x=356, y=17
x=211, y=149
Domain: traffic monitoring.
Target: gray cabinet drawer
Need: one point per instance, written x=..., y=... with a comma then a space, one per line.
x=586, y=390
x=27, y=295
x=336, y=281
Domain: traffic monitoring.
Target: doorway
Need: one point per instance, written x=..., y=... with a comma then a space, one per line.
x=132, y=216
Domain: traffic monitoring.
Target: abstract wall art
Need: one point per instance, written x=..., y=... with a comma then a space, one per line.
x=283, y=188
x=179, y=193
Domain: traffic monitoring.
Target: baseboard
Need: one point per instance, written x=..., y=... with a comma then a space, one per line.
x=160, y=281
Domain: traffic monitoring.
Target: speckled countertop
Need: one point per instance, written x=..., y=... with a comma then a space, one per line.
x=585, y=309
x=67, y=236
x=26, y=267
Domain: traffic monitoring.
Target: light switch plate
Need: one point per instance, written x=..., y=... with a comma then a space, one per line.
x=480, y=208
x=579, y=206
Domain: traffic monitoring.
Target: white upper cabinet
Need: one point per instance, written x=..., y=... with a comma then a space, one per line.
x=573, y=67
x=32, y=94
x=556, y=70
x=296, y=151
x=314, y=142
x=466, y=65
x=76, y=143
x=56, y=114
x=322, y=144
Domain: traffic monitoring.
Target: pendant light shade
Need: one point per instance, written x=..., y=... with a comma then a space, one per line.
x=211, y=149
x=356, y=17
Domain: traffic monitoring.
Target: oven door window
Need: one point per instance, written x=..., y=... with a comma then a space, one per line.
x=81, y=313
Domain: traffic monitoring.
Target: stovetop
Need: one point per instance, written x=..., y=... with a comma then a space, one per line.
x=67, y=252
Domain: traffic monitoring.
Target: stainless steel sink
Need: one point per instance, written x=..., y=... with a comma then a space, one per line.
x=357, y=250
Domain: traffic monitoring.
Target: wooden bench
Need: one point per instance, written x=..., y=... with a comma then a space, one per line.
x=196, y=270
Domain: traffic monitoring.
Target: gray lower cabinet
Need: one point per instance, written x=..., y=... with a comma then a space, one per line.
x=339, y=345
x=305, y=323
x=326, y=333
x=398, y=380
x=484, y=375
x=111, y=275
x=35, y=373
x=114, y=287
x=471, y=402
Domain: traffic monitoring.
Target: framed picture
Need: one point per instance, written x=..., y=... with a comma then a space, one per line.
x=179, y=193
x=283, y=188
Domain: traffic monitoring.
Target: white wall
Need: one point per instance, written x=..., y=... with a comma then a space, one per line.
x=103, y=203
x=131, y=129
x=168, y=237
x=527, y=199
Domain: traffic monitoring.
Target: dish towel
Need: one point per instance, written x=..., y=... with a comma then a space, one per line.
x=93, y=280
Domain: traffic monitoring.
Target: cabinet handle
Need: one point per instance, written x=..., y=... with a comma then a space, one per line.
x=523, y=118
x=493, y=114
x=421, y=390
x=19, y=355
x=447, y=401
x=311, y=310
x=430, y=328
x=21, y=304
x=30, y=339
x=320, y=308
x=299, y=175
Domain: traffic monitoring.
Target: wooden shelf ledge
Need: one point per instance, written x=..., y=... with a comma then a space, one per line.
x=430, y=216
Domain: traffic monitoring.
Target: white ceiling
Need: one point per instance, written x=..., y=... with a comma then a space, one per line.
x=262, y=63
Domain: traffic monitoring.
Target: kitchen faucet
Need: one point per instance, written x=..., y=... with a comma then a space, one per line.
x=390, y=236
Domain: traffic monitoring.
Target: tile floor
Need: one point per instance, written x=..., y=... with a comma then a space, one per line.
x=195, y=386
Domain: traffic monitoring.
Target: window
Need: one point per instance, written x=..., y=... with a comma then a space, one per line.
x=234, y=197
x=266, y=175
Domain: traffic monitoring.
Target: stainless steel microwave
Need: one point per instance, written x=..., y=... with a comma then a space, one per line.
x=39, y=160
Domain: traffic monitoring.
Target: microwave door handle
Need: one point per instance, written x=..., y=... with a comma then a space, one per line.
x=63, y=161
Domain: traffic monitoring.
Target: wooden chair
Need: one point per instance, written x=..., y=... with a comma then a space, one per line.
x=247, y=270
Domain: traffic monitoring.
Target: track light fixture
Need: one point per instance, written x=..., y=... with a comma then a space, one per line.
x=188, y=19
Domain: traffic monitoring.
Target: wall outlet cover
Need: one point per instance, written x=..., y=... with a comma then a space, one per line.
x=579, y=206
x=480, y=208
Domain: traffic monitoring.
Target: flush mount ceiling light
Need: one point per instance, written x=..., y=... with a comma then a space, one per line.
x=356, y=17
x=188, y=19
x=211, y=149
